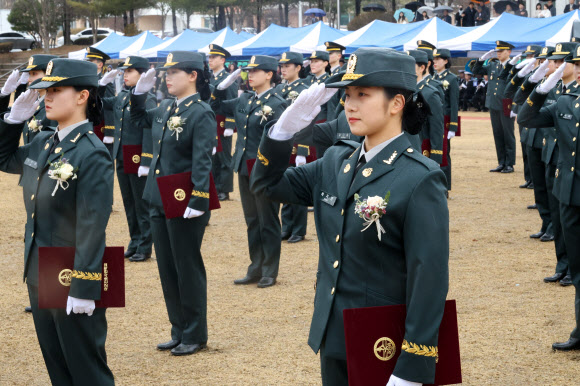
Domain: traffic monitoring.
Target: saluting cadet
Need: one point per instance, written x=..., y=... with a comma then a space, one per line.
x=67, y=180
x=183, y=133
x=252, y=111
x=106, y=128
x=128, y=133
x=503, y=126
x=222, y=160
x=432, y=134
x=294, y=217
x=564, y=115
x=336, y=104
x=450, y=83
x=383, y=265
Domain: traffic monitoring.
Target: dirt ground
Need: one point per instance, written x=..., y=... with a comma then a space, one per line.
x=508, y=318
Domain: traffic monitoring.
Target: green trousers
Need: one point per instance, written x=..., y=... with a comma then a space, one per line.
x=504, y=137
x=177, y=243
x=570, y=216
x=263, y=224
x=223, y=173
x=559, y=243
x=333, y=370
x=294, y=219
x=136, y=210
x=538, y=172
x=527, y=173
x=73, y=346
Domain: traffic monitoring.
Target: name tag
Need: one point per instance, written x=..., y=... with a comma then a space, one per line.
x=158, y=120
x=30, y=162
x=328, y=198
x=565, y=116
x=243, y=111
x=550, y=101
x=342, y=135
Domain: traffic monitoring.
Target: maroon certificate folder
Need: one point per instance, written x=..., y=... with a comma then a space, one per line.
x=506, y=103
x=176, y=190
x=131, y=158
x=250, y=165
x=374, y=336
x=55, y=266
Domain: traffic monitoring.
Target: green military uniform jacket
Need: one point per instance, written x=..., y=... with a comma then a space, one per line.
x=75, y=217
x=250, y=122
x=564, y=115
x=433, y=127
x=496, y=83
x=435, y=83
x=108, y=115
x=355, y=269
x=190, y=151
x=450, y=83
x=127, y=131
x=231, y=92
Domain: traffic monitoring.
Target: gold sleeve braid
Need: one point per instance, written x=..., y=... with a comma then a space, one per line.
x=197, y=193
x=86, y=275
x=414, y=348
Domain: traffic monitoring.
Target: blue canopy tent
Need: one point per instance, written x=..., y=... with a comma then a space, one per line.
x=433, y=30
x=111, y=45
x=367, y=36
x=146, y=40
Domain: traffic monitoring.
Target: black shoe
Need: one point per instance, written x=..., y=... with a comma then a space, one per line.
x=223, y=196
x=508, y=169
x=537, y=235
x=566, y=281
x=285, y=235
x=266, y=282
x=570, y=344
x=295, y=239
x=498, y=169
x=247, y=280
x=140, y=257
x=531, y=185
x=547, y=237
x=525, y=185
x=555, y=277
x=188, y=349
x=28, y=309
x=168, y=345
x=534, y=206
x=129, y=253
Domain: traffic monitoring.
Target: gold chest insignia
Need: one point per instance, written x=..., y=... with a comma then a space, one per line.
x=346, y=168
x=367, y=172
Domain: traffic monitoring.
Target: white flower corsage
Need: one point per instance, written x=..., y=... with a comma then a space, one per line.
x=292, y=96
x=35, y=125
x=175, y=124
x=445, y=85
x=265, y=113
x=61, y=171
x=371, y=210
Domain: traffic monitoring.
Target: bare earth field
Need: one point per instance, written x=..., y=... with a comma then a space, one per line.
x=508, y=318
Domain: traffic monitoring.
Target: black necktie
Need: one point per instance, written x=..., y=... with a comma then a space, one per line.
x=56, y=141
x=361, y=162
x=563, y=89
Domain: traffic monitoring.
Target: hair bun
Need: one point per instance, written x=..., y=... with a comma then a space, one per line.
x=415, y=114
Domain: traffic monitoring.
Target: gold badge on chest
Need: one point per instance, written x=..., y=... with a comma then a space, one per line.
x=346, y=168
x=57, y=150
x=367, y=172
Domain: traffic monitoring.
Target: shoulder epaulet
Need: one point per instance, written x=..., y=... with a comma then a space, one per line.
x=93, y=138
x=417, y=156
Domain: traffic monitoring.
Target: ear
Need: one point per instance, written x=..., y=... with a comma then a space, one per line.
x=193, y=76
x=397, y=104
x=269, y=75
x=83, y=97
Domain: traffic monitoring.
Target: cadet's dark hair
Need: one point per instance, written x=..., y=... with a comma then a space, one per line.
x=202, y=82
x=430, y=67
x=415, y=111
x=276, y=78
x=448, y=64
x=94, y=110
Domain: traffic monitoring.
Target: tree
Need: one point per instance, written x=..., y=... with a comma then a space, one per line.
x=39, y=18
x=164, y=7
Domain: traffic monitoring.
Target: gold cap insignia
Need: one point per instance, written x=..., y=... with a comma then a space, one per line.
x=558, y=47
x=351, y=66
x=544, y=50
x=49, y=68
x=578, y=51
x=497, y=43
x=64, y=277
x=127, y=61
x=211, y=46
x=31, y=61
x=529, y=48
x=253, y=60
x=313, y=54
x=284, y=56
x=179, y=194
x=327, y=44
x=385, y=349
x=170, y=58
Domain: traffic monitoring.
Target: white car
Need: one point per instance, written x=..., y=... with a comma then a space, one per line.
x=87, y=33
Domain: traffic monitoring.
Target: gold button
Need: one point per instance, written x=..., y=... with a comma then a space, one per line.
x=572, y=168
x=32, y=235
x=577, y=124
x=37, y=178
x=332, y=291
x=157, y=171
x=159, y=141
x=247, y=116
x=244, y=149
x=121, y=118
x=32, y=197
x=337, y=238
x=342, y=212
x=244, y=137
x=409, y=150
x=245, y=126
x=555, y=139
x=574, y=139
x=573, y=154
x=32, y=215
x=335, y=265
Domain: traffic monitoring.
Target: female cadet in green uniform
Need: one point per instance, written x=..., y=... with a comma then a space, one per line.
x=372, y=267
x=252, y=111
x=128, y=133
x=183, y=133
x=450, y=82
x=564, y=115
x=67, y=180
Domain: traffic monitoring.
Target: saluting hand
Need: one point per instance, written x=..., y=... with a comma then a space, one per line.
x=515, y=59
x=396, y=381
x=23, y=108
x=524, y=63
x=231, y=78
x=24, y=78
x=108, y=77
x=540, y=72
x=487, y=55
x=11, y=83
x=552, y=80
x=145, y=82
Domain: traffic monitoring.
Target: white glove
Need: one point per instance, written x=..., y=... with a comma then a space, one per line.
x=24, y=78
x=552, y=80
x=11, y=83
x=540, y=72
x=108, y=77
x=192, y=213
x=396, y=381
x=526, y=62
x=515, y=59
x=227, y=82
x=108, y=140
x=80, y=306
x=463, y=86
x=228, y=132
x=143, y=171
x=213, y=151
x=145, y=82
x=487, y=55
x=450, y=134
x=528, y=67
x=301, y=113
x=306, y=63
x=513, y=115
x=23, y=108
x=300, y=160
